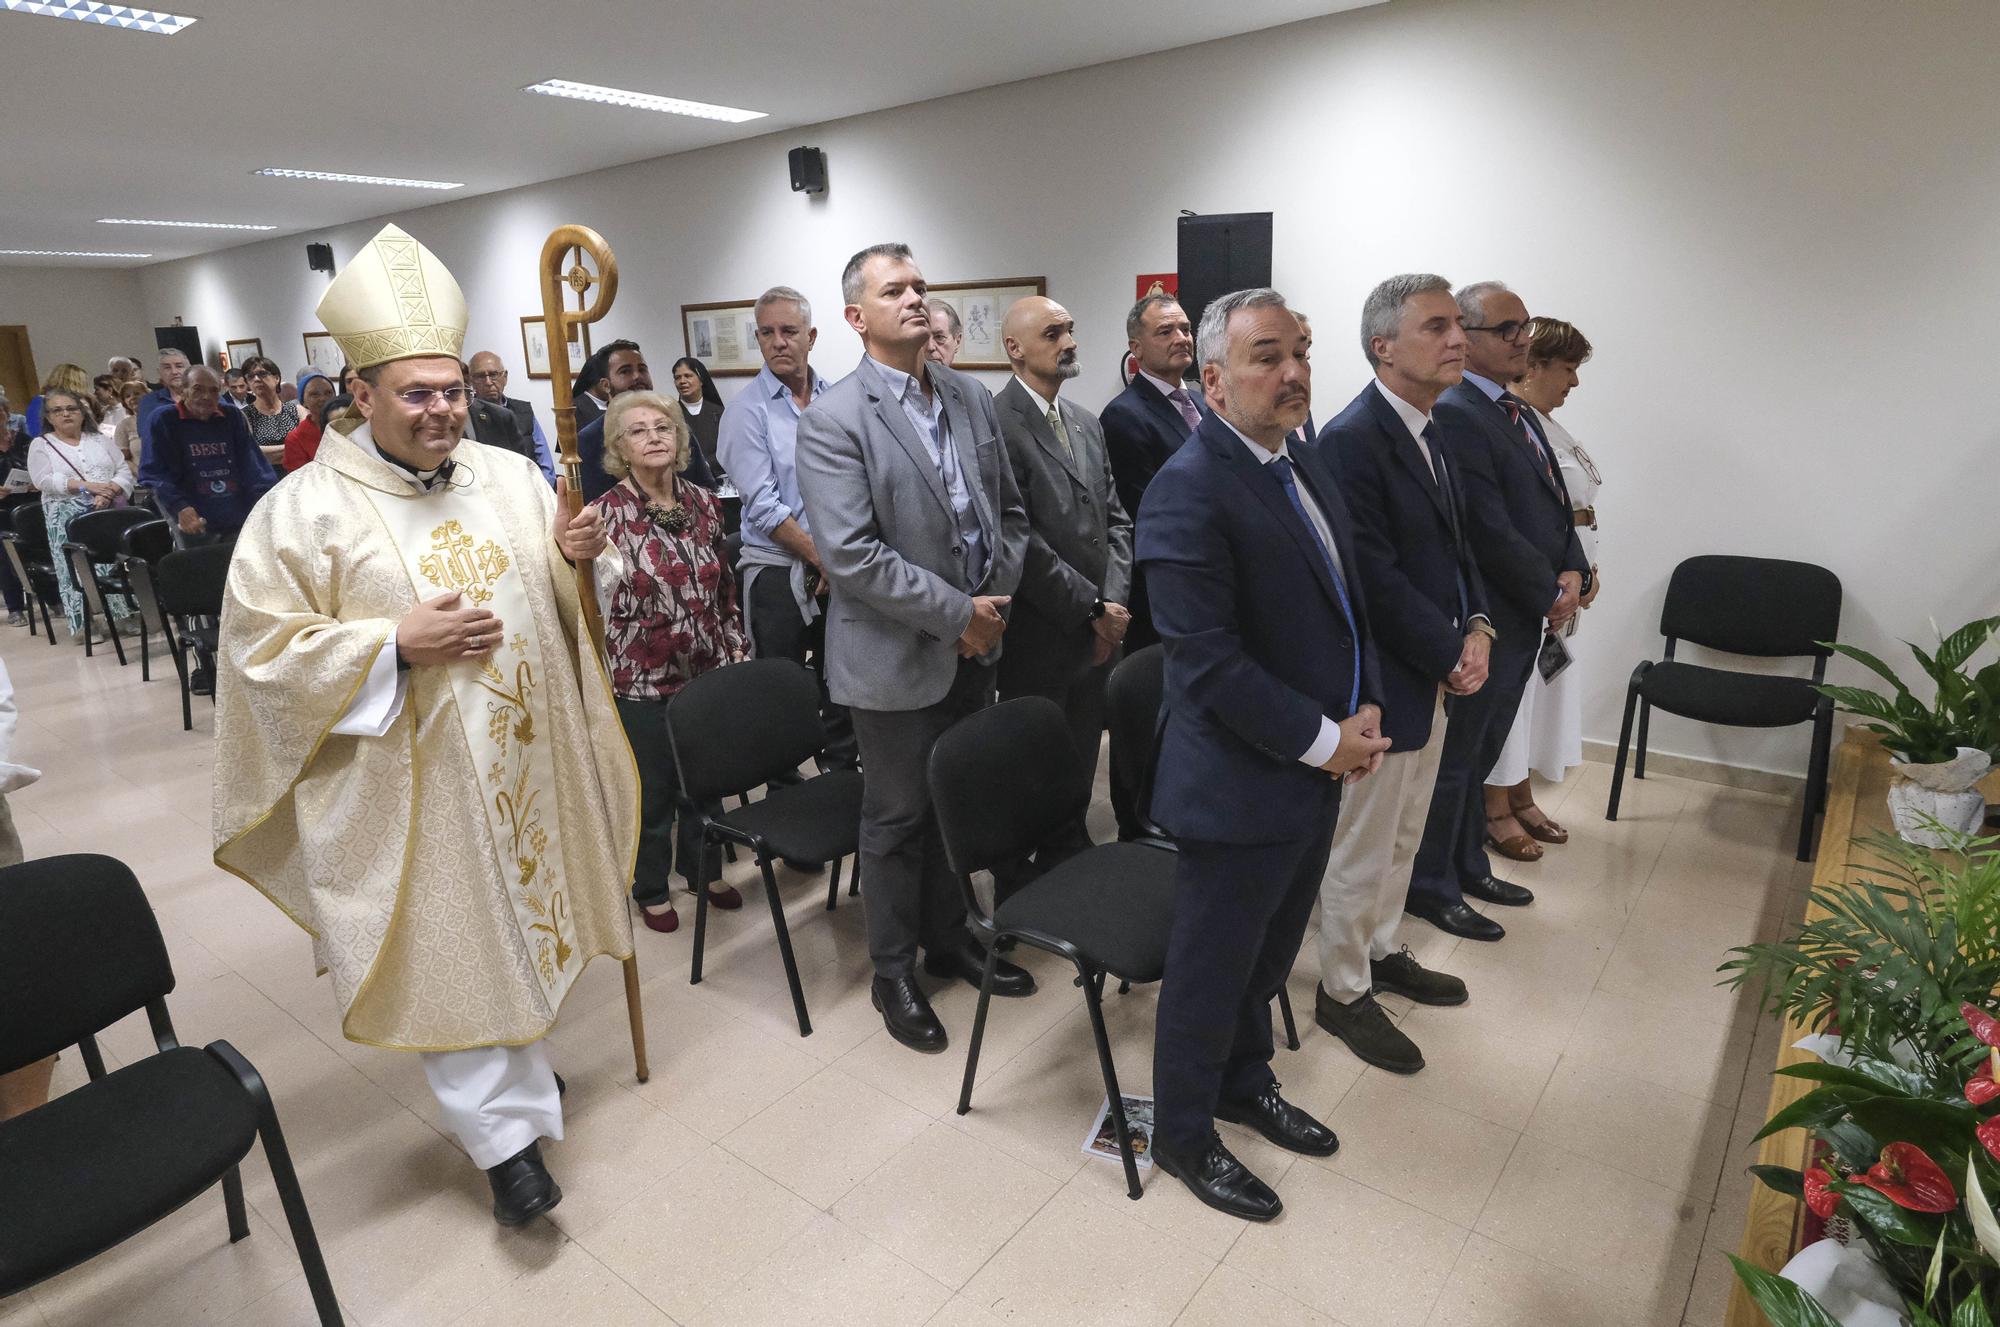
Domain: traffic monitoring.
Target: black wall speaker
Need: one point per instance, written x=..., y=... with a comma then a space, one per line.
x=319, y=257
x=187, y=340
x=808, y=170
x=1220, y=253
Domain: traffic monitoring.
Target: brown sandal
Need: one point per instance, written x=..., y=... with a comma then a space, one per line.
x=1543, y=830
x=1515, y=848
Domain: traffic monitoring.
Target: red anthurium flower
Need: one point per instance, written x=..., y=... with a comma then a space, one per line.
x=1823, y=1201
x=1984, y=1086
x=1984, y=1026
x=1909, y=1178
x=1989, y=1136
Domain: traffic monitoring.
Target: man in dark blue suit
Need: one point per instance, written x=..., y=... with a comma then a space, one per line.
x=1270, y=701
x=1521, y=530
x=1427, y=617
x=625, y=370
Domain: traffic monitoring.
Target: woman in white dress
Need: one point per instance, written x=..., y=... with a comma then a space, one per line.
x=77, y=470
x=1547, y=737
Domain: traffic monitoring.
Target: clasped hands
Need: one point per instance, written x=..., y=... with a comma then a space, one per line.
x=1469, y=674
x=101, y=493
x=983, y=632
x=1110, y=629
x=1569, y=595
x=1361, y=746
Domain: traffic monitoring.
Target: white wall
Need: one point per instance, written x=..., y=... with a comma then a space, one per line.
x=1775, y=220
x=76, y=315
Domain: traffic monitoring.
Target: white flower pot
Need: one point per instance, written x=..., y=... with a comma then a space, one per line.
x=1943, y=791
x=1847, y=1282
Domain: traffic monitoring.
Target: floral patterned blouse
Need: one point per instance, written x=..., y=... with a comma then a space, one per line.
x=674, y=616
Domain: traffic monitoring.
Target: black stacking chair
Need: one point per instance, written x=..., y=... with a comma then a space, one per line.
x=745, y=725
x=143, y=546
x=28, y=550
x=187, y=589
x=1763, y=607
x=1002, y=781
x=1133, y=696
x=96, y=1166
x=97, y=537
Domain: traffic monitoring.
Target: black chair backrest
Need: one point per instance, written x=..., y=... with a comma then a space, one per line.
x=31, y=528
x=102, y=532
x=10, y=501
x=743, y=725
x=1767, y=607
x=83, y=951
x=190, y=580
x=1133, y=696
x=1003, y=781
x=148, y=540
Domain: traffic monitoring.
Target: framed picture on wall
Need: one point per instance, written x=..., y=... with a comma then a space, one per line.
x=238, y=351
x=535, y=345
x=723, y=336
x=323, y=353
x=982, y=306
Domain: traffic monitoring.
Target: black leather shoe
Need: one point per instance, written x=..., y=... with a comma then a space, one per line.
x=1499, y=891
x=1456, y=919
x=1401, y=974
x=1281, y=1122
x=1365, y=1027
x=907, y=1014
x=522, y=1187
x=1220, y=1180
x=968, y=962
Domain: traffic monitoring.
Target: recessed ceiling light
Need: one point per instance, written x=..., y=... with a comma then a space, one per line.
x=191, y=225
x=111, y=16
x=67, y=253
x=334, y=177
x=641, y=101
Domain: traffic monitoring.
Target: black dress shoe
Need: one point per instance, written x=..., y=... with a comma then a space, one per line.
x=907, y=1014
x=1217, y=1178
x=522, y=1187
x=1281, y=1122
x=1365, y=1027
x=1401, y=974
x=1502, y=892
x=1456, y=919
x=968, y=962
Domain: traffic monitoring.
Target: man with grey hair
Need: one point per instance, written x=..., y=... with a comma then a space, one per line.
x=784, y=589
x=947, y=333
x=173, y=364
x=1271, y=704
x=1427, y=607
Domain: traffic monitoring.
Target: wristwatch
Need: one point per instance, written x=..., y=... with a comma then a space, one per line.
x=1484, y=628
x=1096, y=609
x=1587, y=579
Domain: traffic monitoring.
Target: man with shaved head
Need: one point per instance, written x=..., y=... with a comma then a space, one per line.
x=1069, y=614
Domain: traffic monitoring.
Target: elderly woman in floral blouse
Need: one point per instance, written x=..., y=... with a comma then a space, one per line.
x=671, y=617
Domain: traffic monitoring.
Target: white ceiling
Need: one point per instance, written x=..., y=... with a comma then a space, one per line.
x=101, y=122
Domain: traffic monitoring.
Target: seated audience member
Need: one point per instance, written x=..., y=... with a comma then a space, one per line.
x=625, y=371
x=947, y=333
x=269, y=415
x=104, y=396
x=64, y=378
x=1547, y=736
x=172, y=368
x=670, y=617
x=122, y=370
x=302, y=443
x=76, y=471
x=235, y=388
x=702, y=405
x=204, y=470
x=488, y=376
x=126, y=436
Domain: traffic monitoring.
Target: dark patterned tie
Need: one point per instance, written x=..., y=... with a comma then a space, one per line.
x=1515, y=406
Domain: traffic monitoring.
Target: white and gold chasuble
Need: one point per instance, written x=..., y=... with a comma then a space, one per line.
x=458, y=872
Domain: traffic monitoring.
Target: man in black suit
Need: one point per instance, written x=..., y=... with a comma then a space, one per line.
x=1518, y=519
x=1069, y=615
x=625, y=370
x=1307, y=431
x=1270, y=701
x=583, y=393
x=1427, y=614
x=487, y=375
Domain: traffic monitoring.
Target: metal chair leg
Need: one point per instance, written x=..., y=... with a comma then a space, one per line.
x=232, y=1204
x=1624, y=743
x=978, y=1027
x=833, y=887
x=111, y=629
x=700, y=922
x=784, y=939
x=854, y=876
x=1291, y=1025
x=1093, y=999
x=1645, y=723
x=93, y=1059
x=1815, y=782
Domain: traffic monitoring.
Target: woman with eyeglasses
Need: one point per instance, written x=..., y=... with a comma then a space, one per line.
x=269, y=415
x=1547, y=736
x=671, y=617
x=76, y=471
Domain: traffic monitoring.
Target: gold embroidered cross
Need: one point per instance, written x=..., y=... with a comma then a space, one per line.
x=456, y=564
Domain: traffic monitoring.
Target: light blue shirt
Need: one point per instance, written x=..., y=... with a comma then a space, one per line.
x=759, y=446
x=927, y=417
x=543, y=457
x=1487, y=385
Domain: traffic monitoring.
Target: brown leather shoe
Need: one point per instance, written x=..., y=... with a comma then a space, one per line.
x=1540, y=827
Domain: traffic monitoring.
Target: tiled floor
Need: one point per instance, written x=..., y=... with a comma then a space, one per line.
x=1573, y=1154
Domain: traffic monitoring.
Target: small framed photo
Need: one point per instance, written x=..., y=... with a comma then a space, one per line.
x=982, y=307
x=241, y=350
x=323, y=353
x=723, y=336
x=535, y=345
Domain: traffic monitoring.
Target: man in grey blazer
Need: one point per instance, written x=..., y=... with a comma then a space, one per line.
x=921, y=536
x=1069, y=615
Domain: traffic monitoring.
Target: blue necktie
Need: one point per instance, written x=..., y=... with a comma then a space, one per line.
x=1282, y=467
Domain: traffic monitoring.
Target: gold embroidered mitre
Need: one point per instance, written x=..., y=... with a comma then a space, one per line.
x=395, y=300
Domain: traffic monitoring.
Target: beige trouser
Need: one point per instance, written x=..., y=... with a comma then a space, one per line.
x=1367, y=876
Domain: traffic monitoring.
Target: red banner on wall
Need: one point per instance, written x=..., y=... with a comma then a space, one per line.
x=1159, y=283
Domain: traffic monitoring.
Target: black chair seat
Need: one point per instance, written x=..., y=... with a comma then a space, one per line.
x=139, y=1143
x=1717, y=695
x=1113, y=902
x=818, y=820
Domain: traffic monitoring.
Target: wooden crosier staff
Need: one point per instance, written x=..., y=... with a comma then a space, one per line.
x=557, y=324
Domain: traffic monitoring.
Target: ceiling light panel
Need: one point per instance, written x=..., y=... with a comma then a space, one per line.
x=67, y=253
x=189, y=225
x=334, y=177
x=641, y=101
x=111, y=16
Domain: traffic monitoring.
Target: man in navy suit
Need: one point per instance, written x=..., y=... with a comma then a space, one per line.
x=1521, y=530
x=1427, y=615
x=1270, y=701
